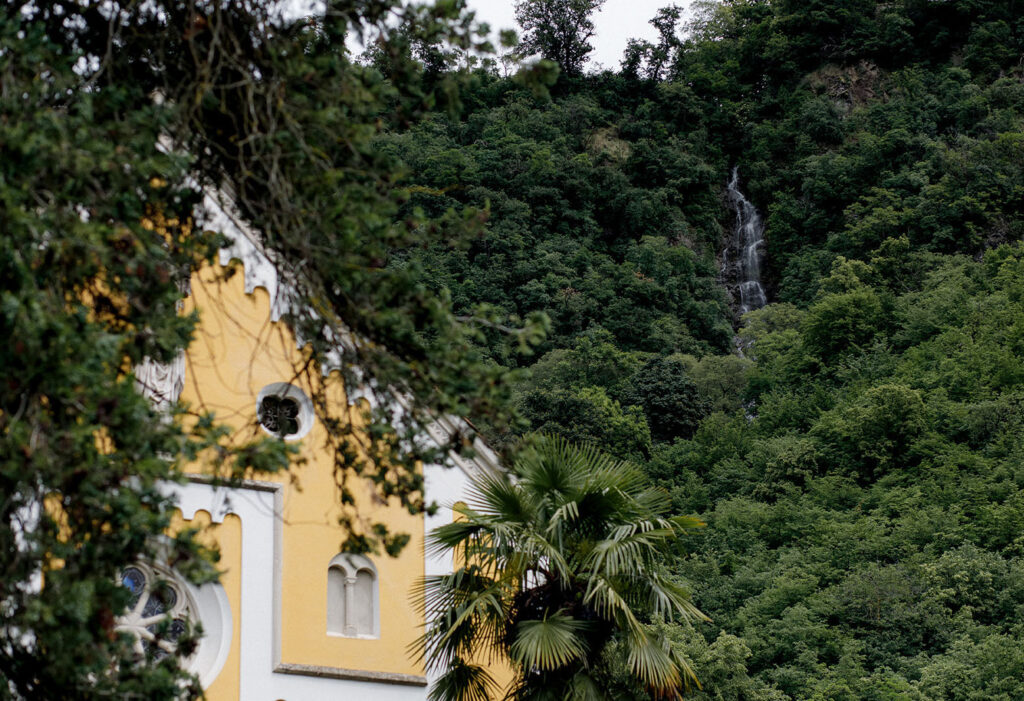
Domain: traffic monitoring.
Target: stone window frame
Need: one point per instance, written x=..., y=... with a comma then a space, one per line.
x=348, y=566
x=286, y=390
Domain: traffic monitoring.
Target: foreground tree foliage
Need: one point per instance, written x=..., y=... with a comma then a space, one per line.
x=556, y=562
x=116, y=120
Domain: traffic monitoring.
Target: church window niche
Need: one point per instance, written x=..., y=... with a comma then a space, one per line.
x=285, y=411
x=352, y=597
x=162, y=607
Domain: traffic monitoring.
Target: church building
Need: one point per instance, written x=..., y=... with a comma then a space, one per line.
x=293, y=618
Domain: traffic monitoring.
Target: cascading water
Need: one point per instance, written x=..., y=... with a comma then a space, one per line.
x=749, y=242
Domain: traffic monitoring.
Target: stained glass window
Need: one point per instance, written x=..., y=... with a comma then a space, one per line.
x=159, y=611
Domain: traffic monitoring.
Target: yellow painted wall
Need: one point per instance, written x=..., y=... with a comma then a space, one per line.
x=237, y=352
x=227, y=536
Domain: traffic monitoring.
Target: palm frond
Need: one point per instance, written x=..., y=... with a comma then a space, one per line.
x=540, y=551
x=452, y=535
x=583, y=687
x=549, y=643
x=550, y=466
x=651, y=663
x=689, y=676
x=628, y=550
x=568, y=511
x=655, y=501
x=668, y=598
x=497, y=495
x=634, y=548
x=434, y=593
x=611, y=605
x=567, y=520
x=463, y=682
x=687, y=523
x=464, y=611
x=619, y=476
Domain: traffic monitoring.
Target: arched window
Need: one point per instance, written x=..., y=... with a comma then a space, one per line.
x=352, y=597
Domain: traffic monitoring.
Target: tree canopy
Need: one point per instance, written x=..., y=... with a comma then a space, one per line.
x=559, y=30
x=858, y=464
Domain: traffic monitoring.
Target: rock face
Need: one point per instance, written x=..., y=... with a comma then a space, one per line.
x=743, y=252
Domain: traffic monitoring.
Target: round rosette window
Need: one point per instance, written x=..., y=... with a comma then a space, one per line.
x=163, y=607
x=285, y=411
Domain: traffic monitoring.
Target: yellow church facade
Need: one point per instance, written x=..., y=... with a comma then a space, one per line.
x=293, y=618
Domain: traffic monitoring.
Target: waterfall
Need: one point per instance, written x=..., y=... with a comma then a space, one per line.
x=749, y=242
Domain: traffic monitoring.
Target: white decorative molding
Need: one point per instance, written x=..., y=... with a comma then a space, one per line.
x=161, y=383
x=214, y=611
x=484, y=459
x=257, y=267
x=206, y=604
x=447, y=487
x=261, y=270
x=309, y=670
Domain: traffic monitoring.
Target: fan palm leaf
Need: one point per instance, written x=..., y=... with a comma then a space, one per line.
x=549, y=643
x=463, y=682
x=652, y=663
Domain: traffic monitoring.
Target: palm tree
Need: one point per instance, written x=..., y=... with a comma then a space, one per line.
x=554, y=562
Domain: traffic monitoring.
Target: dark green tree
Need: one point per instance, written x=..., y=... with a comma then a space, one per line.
x=651, y=61
x=669, y=398
x=559, y=30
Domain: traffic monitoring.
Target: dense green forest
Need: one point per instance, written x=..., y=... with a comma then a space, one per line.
x=856, y=446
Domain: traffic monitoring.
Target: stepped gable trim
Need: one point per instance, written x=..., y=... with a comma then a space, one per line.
x=260, y=270
x=258, y=267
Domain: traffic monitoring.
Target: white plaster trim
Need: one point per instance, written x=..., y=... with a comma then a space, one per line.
x=350, y=564
x=261, y=270
x=259, y=511
x=161, y=383
x=308, y=670
x=257, y=267
x=484, y=458
x=447, y=487
x=214, y=611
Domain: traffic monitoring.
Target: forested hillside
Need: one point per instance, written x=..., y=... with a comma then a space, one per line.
x=860, y=464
